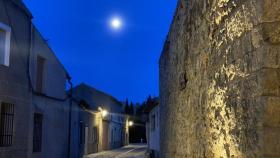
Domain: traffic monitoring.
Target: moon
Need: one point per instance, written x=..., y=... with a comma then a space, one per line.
x=116, y=23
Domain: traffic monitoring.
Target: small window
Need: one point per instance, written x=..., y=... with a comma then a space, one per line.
x=37, y=132
x=6, y=124
x=40, y=74
x=5, y=39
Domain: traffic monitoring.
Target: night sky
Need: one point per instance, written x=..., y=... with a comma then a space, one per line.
x=124, y=62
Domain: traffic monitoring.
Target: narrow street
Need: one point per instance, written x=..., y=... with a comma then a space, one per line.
x=130, y=151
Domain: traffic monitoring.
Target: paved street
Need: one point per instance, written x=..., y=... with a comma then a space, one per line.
x=130, y=151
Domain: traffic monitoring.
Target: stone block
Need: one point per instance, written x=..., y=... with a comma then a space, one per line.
x=272, y=112
x=271, y=32
x=271, y=141
x=271, y=156
x=271, y=10
x=271, y=57
x=266, y=56
x=270, y=82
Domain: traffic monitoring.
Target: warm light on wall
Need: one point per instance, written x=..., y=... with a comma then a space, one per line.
x=222, y=120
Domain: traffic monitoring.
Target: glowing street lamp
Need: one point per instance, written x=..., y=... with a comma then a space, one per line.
x=104, y=113
x=130, y=123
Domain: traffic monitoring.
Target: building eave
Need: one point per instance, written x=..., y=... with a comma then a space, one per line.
x=22, y=7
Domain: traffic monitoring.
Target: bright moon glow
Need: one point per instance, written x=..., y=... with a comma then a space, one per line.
x=116, y=23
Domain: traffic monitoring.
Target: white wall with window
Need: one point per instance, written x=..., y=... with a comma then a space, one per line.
x=5, y=40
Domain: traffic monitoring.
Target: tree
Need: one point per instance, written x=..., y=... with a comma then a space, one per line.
x=126, y=107
x=149, y=99
x=151, y=102
x=139, y=109
x=131, y=109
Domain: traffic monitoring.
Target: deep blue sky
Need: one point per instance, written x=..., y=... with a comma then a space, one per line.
x=122, y=63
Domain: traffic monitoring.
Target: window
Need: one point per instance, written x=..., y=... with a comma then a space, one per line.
x=153, y=122
x=6, y=124
x=40, y=74
x=37, y=132
x=5, y=39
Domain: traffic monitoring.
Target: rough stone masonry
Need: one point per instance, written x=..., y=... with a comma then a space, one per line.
x=220, y=80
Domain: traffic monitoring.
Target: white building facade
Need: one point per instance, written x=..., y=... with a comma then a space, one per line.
x=153, y=132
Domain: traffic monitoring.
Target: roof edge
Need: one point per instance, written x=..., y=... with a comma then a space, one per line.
x=22, y=7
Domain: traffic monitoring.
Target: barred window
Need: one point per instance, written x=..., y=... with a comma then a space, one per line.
x=37, y=132
x=6, y=124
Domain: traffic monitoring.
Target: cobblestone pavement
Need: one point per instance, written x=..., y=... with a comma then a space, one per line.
x=130, y=151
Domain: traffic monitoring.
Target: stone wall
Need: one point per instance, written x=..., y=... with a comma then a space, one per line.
x=220, y=80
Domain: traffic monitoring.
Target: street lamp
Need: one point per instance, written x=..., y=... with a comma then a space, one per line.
x=130, y=123
x=104, y=112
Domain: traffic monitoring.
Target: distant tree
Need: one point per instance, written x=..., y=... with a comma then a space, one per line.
x=126, y=107
x=139, y=108
x=144, y=105
x=131, y=109
x=126, y=101
x=149, y=99
x=151, y=102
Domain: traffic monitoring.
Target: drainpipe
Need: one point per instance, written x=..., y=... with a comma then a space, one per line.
x=30, y=56
x=70, y=115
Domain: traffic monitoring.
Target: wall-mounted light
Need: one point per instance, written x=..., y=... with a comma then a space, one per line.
x=104, y=113
x=130, y=123
x=99, y=108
